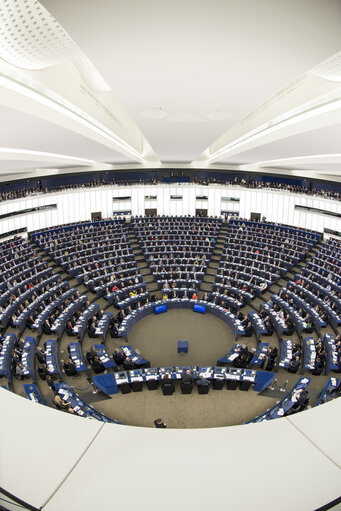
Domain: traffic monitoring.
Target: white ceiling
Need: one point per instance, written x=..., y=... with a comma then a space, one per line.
x=184, y=73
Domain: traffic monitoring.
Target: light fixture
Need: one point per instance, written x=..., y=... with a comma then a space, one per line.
x=20, y=154
x=29, y=88
x=316, y=107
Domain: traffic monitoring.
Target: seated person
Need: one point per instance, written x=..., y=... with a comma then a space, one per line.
x=290, y=326
x=91, y=329
x=69, y=328
x=30, y=322
x=270, y=359
x=114, y=329
x=97, y=365
x=296, y=350
x=70, y=368
x=40, y=353
x=241, y=361
x=128, y=364
x=318, y=367
x=47, y=327
x=248, y=329
x=245, y=351
x=263, y=286
x=269, y=328
x=309, y=328
x=167, y=382
x=119, y=356
x=91, y=354
x=195, y=296
x=43, y=371
x=50, y=382
x=302, y=401
x=202, y=381
x=61, y=404
x=294, y=364
x=187, y=376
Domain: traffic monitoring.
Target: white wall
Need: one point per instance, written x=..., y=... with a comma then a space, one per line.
x=71, y=463
x=77, y=205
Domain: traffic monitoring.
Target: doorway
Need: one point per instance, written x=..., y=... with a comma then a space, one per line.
x=150, y=212
x=200, y=212
x=255, y=217
x=96, y=217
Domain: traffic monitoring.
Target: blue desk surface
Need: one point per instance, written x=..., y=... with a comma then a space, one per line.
x=32, y=392
x=328, y=390
x=106, y=383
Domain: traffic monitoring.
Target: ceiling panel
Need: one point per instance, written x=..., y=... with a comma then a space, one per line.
x=191, y=58
x=23, y=131
x=321, y=141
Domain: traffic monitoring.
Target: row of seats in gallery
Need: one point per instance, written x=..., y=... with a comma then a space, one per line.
x=24, y=275
x=177, y=249
x=257, y=254
x=325, y=266
x=76, y=246
x=98, y=254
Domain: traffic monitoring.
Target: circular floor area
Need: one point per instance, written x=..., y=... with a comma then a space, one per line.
x=156, y=336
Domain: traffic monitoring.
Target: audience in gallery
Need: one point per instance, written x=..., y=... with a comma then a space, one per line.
x=254, y=184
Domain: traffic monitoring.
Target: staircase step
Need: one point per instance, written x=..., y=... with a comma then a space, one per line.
x=213, y=264
x=148, y=279
x=205, y=286
x=209, y=278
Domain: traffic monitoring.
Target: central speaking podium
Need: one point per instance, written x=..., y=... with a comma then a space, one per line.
x=183, y=346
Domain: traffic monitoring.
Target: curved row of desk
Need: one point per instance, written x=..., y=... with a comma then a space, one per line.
x=200, y=306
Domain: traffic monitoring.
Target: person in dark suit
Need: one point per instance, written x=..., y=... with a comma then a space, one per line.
x=97, y=365
x=40, y=353
x=118, y=356
x=318, y=367
x=294, y=365
x=69, y=328
x=91, y=354
x=29, y=322
x=290, y=327
x=248, y=329
x=241, y=361
x=269, y=328
x=159, y=423
x=47, y=327
x=271, y=358
x=166, y=381
x=70, y=368
x=51, y=384
x=202, y=381
x=301, y=402
x=43, y=372
x=187, y=376
x=128, y=364
x=91, y=329
x=114, y=329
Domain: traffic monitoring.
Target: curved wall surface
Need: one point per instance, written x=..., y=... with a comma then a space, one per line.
x=72, y=206
x=53, y=461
